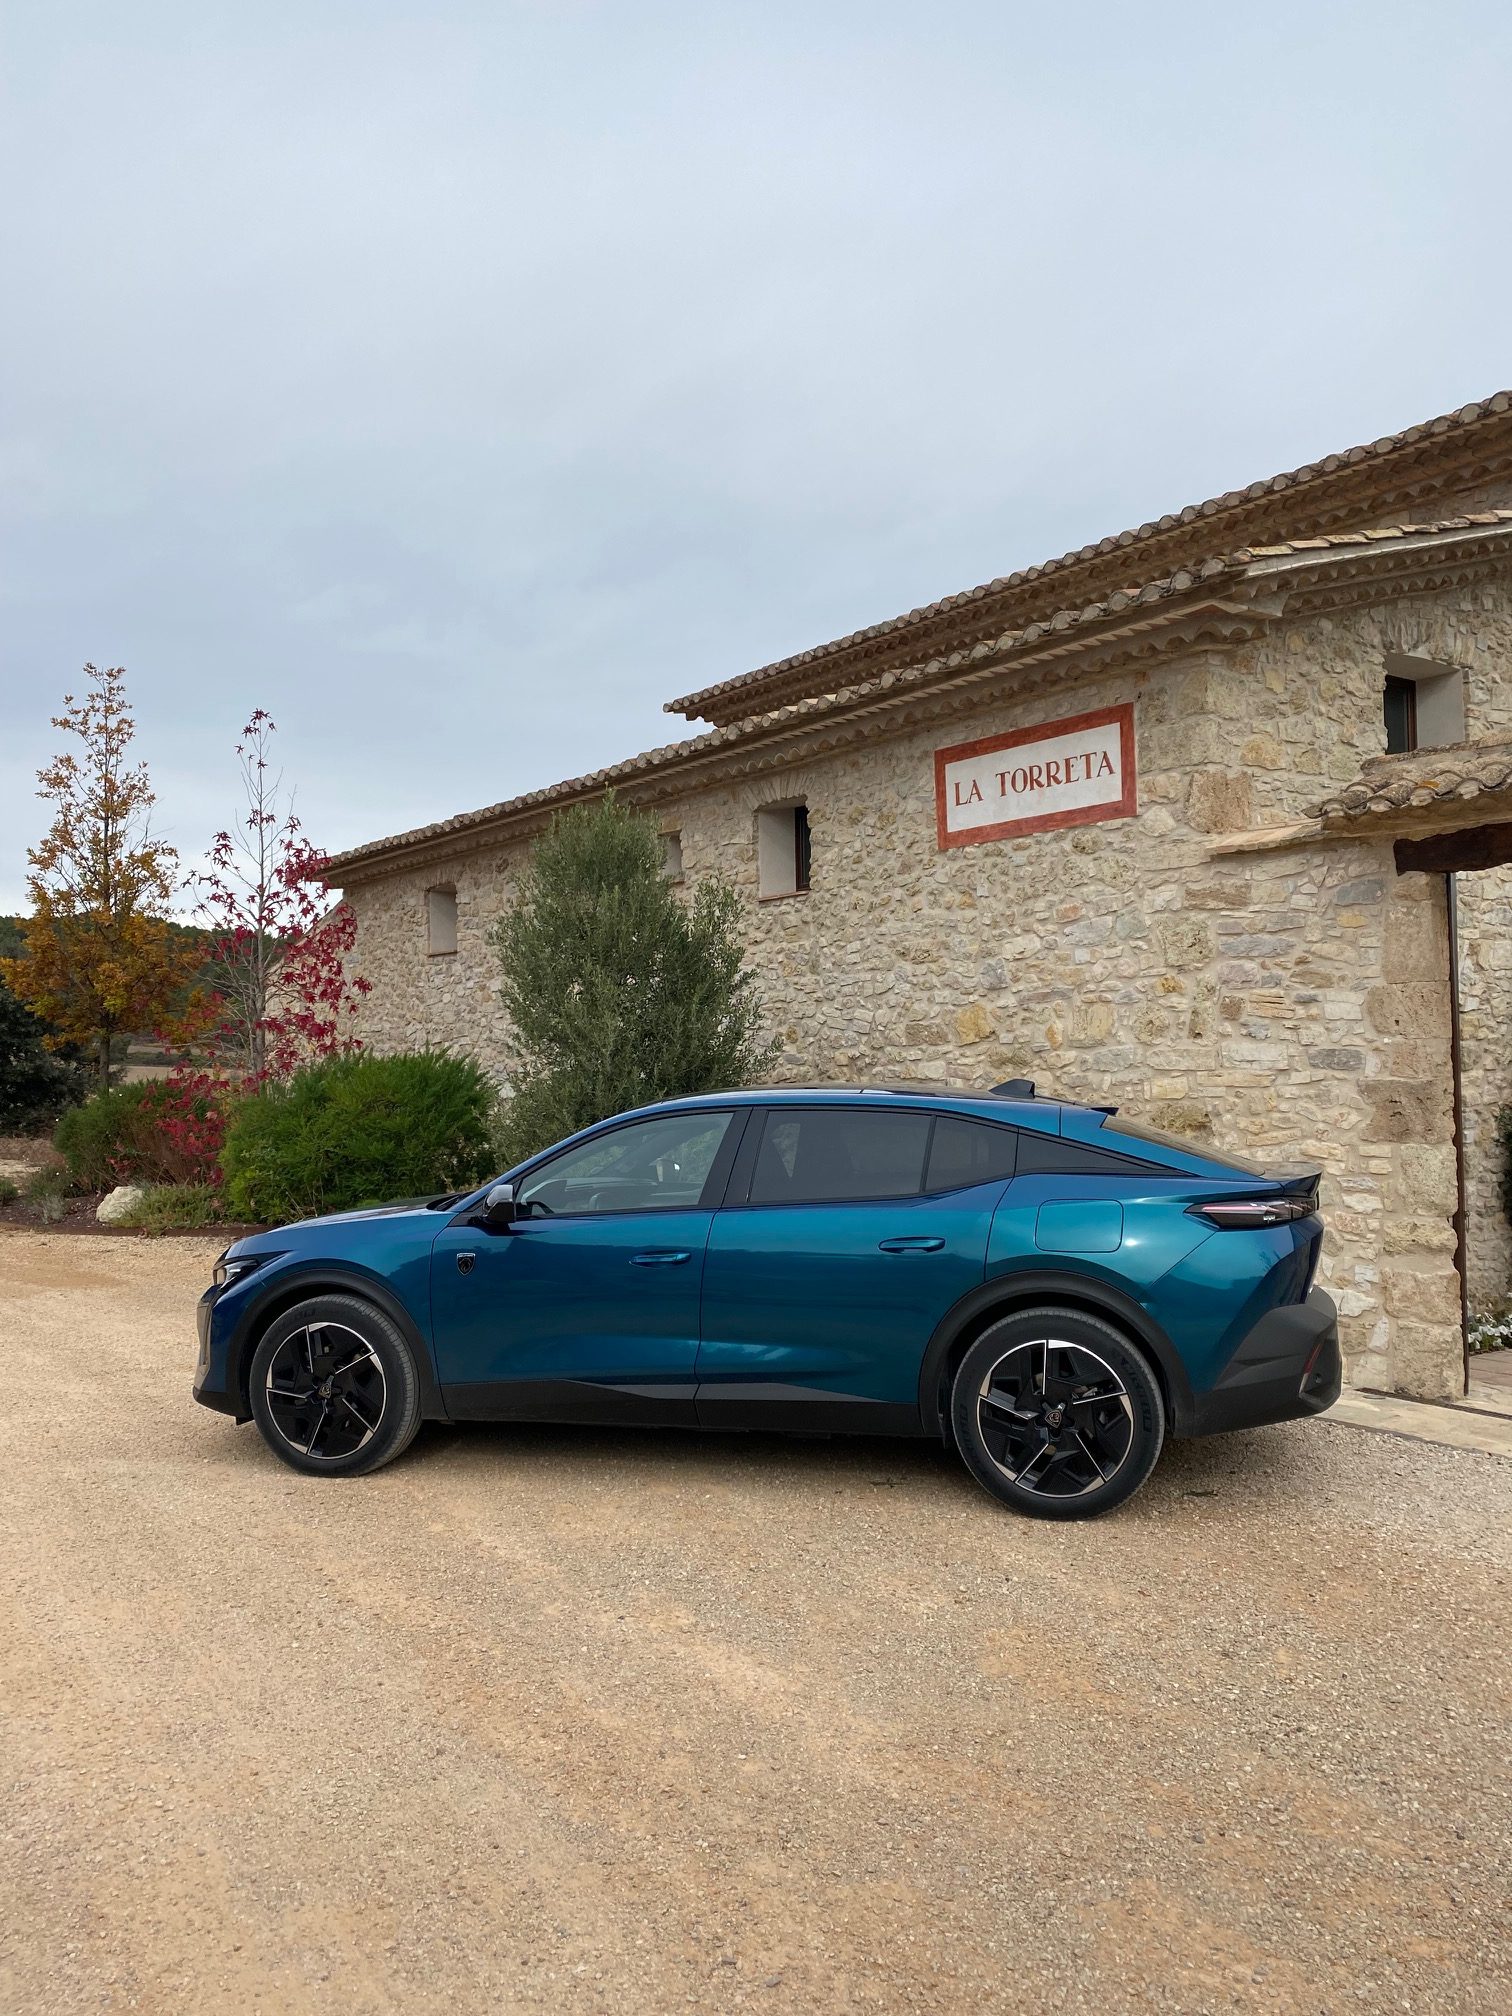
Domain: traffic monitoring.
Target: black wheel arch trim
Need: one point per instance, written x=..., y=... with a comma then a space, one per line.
x=290, y=1286
x=1024, y=1289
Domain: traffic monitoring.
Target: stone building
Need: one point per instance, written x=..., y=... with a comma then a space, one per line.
x=1208, y=820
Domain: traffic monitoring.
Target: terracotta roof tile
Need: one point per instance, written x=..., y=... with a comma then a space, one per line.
x=1391, y=784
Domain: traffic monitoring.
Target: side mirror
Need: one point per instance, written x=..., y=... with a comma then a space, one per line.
x=499, y=1207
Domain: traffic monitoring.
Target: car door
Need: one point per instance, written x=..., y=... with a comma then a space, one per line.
x=586, y=1308
x=848, y=1232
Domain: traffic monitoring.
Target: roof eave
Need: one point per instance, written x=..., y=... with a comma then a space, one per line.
x=1221, y=603
x=1383, y=469
x=1179, y=620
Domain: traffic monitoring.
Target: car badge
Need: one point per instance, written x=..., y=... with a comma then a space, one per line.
x=465, y=1262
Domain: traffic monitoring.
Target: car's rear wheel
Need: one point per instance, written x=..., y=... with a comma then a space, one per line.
x=1057, y=1414
x=333, y=1387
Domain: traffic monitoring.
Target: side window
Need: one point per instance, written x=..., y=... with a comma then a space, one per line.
x=969, y=1151
x=1049, y=1155
x=651, y=1165
x=831, y=1155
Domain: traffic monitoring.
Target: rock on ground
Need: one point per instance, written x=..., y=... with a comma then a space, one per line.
x=119, y=1203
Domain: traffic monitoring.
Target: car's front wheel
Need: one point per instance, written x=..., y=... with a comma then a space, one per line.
x=333, y=1387
x=1057, y=1414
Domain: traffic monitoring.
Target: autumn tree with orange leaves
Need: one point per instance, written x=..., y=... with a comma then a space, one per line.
x=100, y=959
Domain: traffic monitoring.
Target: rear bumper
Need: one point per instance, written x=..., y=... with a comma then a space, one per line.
x=1289, y=1365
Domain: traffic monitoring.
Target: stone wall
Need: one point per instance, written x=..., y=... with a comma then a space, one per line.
x=1485, y=935
x=1289, y=1004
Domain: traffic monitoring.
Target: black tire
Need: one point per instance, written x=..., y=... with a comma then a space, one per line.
x=1057, y=1414
x=333, y=1387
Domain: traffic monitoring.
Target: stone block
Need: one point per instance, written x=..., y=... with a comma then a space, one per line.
x=1425, y=1359
x=1415, y=946
x=1185, y=941
x=1092, y=1023
x=1406, y=1009
x=1417, y=1235
x=1352, y=1061
x=1353, y=1303
x=1422, y=1297
x=1407, y=1110
x=1181, y=745
x=1423, y=1180
x=974, y=1024
x=1186, y=1116
x=925, y=1035
x=1220, y=801
x=1229, y=893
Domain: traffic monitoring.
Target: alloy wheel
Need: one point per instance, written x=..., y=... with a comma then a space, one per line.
x=1055, y=1418
x=326, y=1391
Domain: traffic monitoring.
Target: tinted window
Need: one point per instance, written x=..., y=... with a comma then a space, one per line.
x=824, y=1155
x=1182, y=1143
x=1049, y=1155
x=968, y=1151
x=650, y=1165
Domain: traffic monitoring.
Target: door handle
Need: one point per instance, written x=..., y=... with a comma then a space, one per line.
x=659, y=1256
x=917, y=1244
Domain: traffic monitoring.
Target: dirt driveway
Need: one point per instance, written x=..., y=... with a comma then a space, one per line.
x=576, y=1721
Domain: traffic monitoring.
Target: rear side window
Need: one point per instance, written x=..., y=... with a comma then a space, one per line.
x=1182, y=1143
x=829, y=1155
x=968, y=1151
x=1049, y=1155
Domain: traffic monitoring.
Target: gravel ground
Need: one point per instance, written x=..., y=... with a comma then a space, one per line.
x=578, y=1721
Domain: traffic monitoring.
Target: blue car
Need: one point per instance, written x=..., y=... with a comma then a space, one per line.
x=1041, y=1284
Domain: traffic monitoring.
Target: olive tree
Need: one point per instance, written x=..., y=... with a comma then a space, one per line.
x=620, y=990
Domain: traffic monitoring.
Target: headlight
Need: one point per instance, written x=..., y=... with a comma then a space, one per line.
x=226, y=1271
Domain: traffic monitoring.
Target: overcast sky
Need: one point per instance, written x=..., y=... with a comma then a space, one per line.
x=460, y=381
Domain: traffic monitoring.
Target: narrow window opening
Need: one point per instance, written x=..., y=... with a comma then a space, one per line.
x=1424, y=704
x=441, y=922
x=672, y=856
x=784, y=850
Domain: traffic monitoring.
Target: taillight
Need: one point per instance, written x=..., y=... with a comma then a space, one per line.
x=1238, y=1214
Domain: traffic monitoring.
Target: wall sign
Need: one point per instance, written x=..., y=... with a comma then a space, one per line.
x=1063, y=773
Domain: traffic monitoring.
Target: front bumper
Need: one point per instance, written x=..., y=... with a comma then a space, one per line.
x=1289, y=1365
x=212, y=1382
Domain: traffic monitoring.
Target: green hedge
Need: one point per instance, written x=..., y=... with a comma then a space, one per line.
x=109, y=1139
x=351, y=1129
x=150, y=1132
